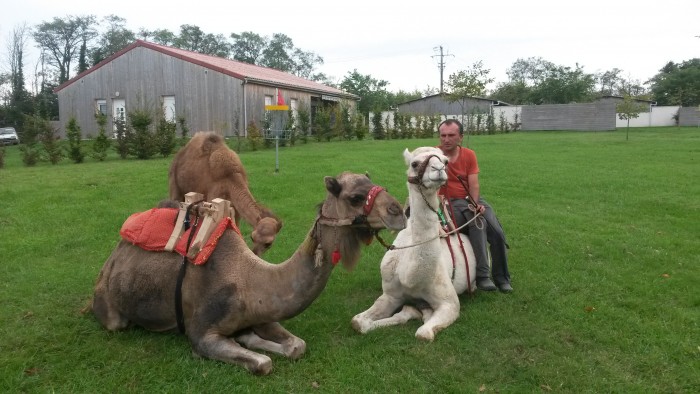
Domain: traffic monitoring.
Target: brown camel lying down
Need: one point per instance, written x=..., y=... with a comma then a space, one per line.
x=234, y=302
x=206, y=165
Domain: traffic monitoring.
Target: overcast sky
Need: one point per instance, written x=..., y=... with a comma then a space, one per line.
x=398, y=41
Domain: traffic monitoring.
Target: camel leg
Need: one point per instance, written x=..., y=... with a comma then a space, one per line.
x=218, y=347
x=382, y=309
x=444, y=315
x=272, y=337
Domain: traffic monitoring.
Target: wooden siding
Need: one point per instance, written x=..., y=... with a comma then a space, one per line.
x=207, y=99
x=437, y=105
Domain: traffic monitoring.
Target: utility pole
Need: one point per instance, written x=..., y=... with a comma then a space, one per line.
x=441, y=65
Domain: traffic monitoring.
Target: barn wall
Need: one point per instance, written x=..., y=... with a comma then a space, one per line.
x=207, y=99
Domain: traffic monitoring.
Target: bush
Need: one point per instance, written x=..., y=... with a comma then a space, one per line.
x=377, y=126
x=142, y=144
x=254, y=136
x=123, y=137
x=74, y=136
x=166, y=136
x=101, y=144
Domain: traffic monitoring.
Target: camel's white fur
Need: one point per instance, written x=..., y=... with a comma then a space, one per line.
x=417, y=281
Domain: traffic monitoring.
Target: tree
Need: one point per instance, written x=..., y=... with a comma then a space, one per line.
x=247, y=47
x=18, y=99
x=277, y=54
x=465, y=84
x=538, y=81
x=112, y=40
x=628, y=109
x=372, y=92
x=61, y=40
x=564, y=85
x=74, y=136
x=677, y=84
x=192, y=38
x=609, y=82
x=160, y=36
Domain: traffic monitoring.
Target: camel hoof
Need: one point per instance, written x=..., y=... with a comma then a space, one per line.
x=297, y=350
x=357, y=325
x=425, y=334
x=262, y=368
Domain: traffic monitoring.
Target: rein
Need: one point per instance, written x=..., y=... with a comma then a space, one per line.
x=440, y=235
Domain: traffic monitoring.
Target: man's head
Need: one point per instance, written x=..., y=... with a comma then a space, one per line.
x=451, y=132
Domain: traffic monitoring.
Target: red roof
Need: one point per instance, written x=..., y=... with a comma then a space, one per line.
x=234, y=68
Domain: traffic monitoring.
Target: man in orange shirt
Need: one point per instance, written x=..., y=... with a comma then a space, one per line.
x=462, y=190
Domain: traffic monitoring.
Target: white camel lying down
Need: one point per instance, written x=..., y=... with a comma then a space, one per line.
x=422, y=281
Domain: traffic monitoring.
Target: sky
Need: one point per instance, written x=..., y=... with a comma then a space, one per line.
x=399, y=41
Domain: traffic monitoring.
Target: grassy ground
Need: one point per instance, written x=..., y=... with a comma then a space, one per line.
x=604, y=258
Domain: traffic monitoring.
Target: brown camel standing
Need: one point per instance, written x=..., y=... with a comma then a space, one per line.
x=206, y=165
x=234, y=302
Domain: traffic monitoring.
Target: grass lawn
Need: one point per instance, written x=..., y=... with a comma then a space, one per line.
x=604, y=258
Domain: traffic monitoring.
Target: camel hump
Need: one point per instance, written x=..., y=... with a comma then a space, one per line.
x=225, y=163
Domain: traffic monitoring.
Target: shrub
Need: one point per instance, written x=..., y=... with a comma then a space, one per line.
x=303, y=122
x=49, y=141
x=254, y=135
x=142, y=144
x=166, y=136
x=361, y=129
x=377, y=126
x=101, y=144
x=123, y=137
x=74, y=136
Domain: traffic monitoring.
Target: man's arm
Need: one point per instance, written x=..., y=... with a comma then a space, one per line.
x=474, y=192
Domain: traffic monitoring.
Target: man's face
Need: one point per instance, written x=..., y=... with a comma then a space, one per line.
x=450, y=137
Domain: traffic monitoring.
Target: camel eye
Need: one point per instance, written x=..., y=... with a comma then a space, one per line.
x=357, y=199
x=414, y=164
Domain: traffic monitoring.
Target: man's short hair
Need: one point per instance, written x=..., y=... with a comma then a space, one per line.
x=452, y=121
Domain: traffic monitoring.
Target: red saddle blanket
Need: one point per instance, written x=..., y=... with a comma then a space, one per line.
x=150, y=230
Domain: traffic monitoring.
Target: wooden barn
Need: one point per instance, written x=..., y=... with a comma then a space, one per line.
x=208, y=92
x=438, y=105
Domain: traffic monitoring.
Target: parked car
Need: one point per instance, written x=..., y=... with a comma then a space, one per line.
x=8, y=136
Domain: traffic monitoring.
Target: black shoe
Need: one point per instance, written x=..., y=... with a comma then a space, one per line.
x=505, y=287
x=485, y=284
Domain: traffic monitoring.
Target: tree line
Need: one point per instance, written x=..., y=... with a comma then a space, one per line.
x=72, y=44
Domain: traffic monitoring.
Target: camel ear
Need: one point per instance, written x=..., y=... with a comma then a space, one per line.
x=333, y=186
x=407, y=156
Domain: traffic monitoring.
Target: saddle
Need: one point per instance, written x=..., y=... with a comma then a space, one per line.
x=164, y=229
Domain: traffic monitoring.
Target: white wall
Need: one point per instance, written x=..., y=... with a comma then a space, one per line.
x=659, y=116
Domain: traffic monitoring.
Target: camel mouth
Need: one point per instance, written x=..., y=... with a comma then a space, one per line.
x=366, y=235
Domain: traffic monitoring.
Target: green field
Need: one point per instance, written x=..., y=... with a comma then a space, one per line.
x=604, y=259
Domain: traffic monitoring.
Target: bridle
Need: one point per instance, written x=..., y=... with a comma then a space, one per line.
x=358, y=220
x=417, y=180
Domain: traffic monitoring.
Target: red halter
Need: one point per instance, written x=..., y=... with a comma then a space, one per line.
x=371, y=195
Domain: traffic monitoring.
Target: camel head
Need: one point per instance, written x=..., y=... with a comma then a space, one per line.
x=264, y=234
x=366, y=208
x=427, y=167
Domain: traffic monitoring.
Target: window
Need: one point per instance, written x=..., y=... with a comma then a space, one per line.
x=169, y=108
x=101, y=107
x=268, y=100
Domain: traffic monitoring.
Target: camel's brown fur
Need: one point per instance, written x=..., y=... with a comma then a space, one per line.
x=206, y=165
x=235, y=301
